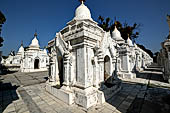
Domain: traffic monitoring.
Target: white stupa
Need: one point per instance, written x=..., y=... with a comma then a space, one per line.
x=116, y=35
x=34, y=43
x=21, y=49
x=82, y=13
x=129, y=42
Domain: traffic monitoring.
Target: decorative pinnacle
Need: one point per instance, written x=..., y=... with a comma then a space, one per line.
x=35, y=34
x=82, y=1
x=128, y=35
x=22, y=43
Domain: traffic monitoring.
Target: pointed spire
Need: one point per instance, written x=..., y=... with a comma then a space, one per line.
x=115, y=22
x=22, y=43
x=82, y=1
x=128, y=36
x=129, y=41
x=35, y=34
x=35, y=42
x=21, y=48
x=115, y=27
x=116, y=35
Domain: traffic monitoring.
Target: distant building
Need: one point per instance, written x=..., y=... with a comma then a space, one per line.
x=29, y=59
x=163, y=58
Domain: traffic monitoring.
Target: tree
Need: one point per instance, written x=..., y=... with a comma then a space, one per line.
x=155, y=55
x=2, y=21
x=125, y=29
x=146, y=50
x=105, y=24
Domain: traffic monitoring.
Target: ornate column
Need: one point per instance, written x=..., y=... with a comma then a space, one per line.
x=66, y=68
x=67, y=64
x=51, y=71
x=137, y=62
x=95, y=72
x=53, y=67
x=54, y=71
x=101, y=65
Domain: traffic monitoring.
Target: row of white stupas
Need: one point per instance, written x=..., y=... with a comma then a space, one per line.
x=163, y=58
x=85, y=61
x=28, y=59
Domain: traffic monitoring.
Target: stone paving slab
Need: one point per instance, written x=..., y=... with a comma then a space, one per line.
x=155, y=83
x=25, y=93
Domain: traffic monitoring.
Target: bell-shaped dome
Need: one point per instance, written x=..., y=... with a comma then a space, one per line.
x=135, y=45
x=116, y=34
x=21, y=49
x=35, y=42
x=45, y=51
x=82, y=12
x=129, y=42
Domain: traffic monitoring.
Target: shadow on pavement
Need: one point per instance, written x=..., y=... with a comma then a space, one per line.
x=4, y=70
x=156, y=100
x=151, y=74
x=7, y=95
x=137, y=97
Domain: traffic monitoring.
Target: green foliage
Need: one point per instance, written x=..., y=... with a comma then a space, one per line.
x=2, y=21
x=125, y=29
x=1, y=40
x=146, y=50
x=104, y=23
x=155, y=55
x=2, y=18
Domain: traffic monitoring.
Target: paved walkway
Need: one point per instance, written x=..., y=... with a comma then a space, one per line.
x=25, y=93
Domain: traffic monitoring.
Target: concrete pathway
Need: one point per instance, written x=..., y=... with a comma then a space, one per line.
x=25, y=93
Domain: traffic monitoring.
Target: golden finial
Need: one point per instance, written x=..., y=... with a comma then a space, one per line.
x=115, y=21
x=128, y=35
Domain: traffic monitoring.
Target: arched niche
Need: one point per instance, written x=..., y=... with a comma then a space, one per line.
x=36, y=63
x=60, y=66
x=106, y=67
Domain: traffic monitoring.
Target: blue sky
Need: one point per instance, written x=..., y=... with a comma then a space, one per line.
x=50, y=16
